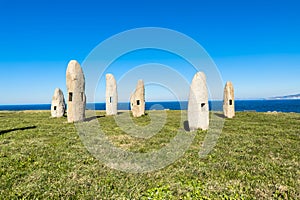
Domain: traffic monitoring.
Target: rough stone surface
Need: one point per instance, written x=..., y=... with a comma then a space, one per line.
x=228, y=103
x=111, y=95
x=137, y=100
x=58, y=106
x=76, y=92
x=198, y=108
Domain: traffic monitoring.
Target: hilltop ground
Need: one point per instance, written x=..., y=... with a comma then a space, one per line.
x=257, y=156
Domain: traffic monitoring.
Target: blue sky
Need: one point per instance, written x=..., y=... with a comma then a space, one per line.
x=255, y=44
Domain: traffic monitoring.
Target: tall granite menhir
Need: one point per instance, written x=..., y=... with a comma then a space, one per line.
x=228, y=103
x=137, y=100
x=76, y=92
x=111, y=95
x=198, y=109
x=58, y=106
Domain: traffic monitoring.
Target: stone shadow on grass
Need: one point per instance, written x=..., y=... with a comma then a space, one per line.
x=92, y=118
x=220, y=115
x=186, y=126
x=17, y=129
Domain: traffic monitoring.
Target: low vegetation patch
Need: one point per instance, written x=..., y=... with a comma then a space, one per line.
x=257, y=156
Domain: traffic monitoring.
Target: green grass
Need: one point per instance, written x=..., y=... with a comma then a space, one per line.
x=256, y=157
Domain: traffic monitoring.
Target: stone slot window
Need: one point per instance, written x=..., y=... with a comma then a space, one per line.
x=230, y=102
x=70, y=96
x=202, y=107
x=54, y=107
x=138, y=102
x=110, y=99
x=81, y=94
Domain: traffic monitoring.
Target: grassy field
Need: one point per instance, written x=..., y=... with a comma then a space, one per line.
x=256, y=157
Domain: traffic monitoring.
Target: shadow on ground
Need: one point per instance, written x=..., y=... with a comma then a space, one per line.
x=93, y=117
x=220, y=115
x=17, y=129
x=186, y=125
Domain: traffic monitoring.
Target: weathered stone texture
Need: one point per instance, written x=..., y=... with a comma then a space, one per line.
x=76, y=92
x=198, y=108
x=58, y=106
x=228, y=102
x=111, y=95
x=137, y=100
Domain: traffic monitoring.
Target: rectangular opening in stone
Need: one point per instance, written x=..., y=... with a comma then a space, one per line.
x=110, y=99
x=70, y=96
x=54, y=108
x=203, y=109
x=138, y=102
x=81, y=94
x=230, y=102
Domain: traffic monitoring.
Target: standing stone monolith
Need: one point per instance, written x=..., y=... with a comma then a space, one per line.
x=111, y=95
x=58, y=106
x=228, y=102
x=137, y=100
x=76, y=92
x=198, y=108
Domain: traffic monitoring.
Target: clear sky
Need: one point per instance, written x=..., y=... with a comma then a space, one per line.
x=255, y=44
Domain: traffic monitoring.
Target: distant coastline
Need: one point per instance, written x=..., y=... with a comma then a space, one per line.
x=287, y=97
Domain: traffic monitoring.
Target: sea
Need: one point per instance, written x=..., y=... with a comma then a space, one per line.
x=240, y=105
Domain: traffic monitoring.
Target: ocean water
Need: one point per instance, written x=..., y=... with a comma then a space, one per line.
x=240, y=105
x=268, y=105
